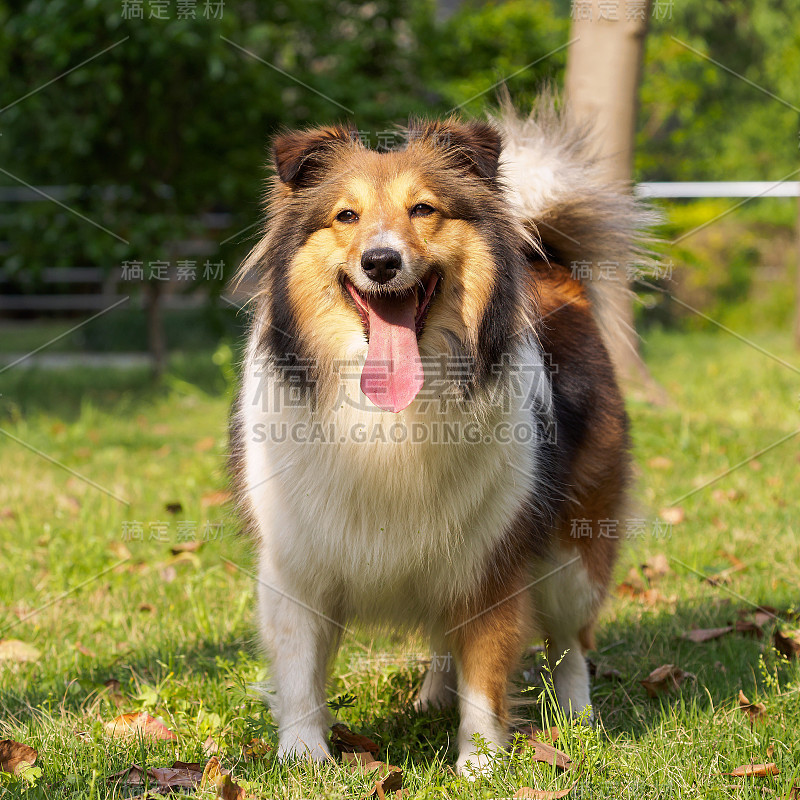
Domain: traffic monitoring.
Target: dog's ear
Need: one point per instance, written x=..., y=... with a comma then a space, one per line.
x=300, y=157
x=474, y=146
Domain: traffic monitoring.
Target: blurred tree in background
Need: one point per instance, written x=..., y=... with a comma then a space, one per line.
x=172, y=121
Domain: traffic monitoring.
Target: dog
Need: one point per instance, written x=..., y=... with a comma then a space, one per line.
x=429, y=433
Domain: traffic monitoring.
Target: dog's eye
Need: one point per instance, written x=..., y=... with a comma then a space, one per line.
x=422, y=210
x=347, y=216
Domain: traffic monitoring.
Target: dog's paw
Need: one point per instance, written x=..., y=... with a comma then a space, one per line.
x=472, y=764
x=303, y=744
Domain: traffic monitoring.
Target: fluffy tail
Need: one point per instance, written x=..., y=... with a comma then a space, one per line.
x=593, y=227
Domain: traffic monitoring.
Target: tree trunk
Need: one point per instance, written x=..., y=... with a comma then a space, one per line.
x=156, y=339
x=604, y=64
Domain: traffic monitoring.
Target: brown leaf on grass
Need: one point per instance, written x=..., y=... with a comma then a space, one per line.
x=138, y=724
x=168, y=574
x=214, y=775
x=214, y=499
x=16, y=650
x=787, y=646
x=15, y=756
x=548, y=754
x=359, y=758
x=761, y=615
x=754, y=771
x=745, y=626
x=255, y=749
x=201, y=445
x=665, y=678
x=180, y=775
x=345, y=740
x=84, y=651
x=700, y=635
x=544, y=794
x=186, y=547
x=174, y=507
x=674, y=515
x=210, y=747
x=390, y=779
x=656, y=566
x=114, y=693
x=755, y=710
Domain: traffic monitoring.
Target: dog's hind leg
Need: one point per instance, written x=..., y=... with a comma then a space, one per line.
x=566, y=602
x=439, y=687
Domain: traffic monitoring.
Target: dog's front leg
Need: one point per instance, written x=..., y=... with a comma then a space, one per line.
x=299, y=639
x=488, y=643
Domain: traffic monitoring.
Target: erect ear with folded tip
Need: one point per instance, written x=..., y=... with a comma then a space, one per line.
x=474, y=146
x=301, y=157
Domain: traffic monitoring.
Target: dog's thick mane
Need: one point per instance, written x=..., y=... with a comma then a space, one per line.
x=556, y=183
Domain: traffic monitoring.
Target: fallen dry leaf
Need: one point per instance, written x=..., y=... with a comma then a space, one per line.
x=180, y=775
x=755, y=710
x=255, y=749
x=787, y=646
x=84, y=651
x=748, y=627
x=754, y=771
x=214, y=775
x=360, y=758
x=389, y=778
x=674, y=515
x=544, y=794
x=16, y=650
x=656, y=567
x=699, y=635
x=664, y=678
x=760, y=616
x=186, y=547
x=210, y=747
x=174, y=507
x=212, y=771
x=138, y=724
x=228, y=789
x=214, y=499
x=15, y=756
x=346, y=741
x=201, y=445
x=548, y=754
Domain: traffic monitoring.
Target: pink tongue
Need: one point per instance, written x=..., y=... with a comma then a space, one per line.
x=392, y=374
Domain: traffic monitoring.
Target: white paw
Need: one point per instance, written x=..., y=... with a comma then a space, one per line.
x=303, y=744
x=472, y=764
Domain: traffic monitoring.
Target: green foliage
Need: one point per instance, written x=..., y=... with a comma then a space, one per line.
x=699, y=120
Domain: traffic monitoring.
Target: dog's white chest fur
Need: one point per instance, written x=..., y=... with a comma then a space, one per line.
x=387, y=516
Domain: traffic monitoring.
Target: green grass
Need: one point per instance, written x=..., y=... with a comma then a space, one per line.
x=179, y=636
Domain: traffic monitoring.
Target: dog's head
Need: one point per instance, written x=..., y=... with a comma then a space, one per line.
x=403, y=254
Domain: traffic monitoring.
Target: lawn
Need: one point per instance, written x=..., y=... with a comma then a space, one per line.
x=104, y=474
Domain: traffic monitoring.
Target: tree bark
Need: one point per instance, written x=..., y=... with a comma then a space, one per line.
x=604, y=64
x=156, y=338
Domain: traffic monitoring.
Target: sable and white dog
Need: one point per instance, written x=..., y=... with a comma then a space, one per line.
x=429, y=432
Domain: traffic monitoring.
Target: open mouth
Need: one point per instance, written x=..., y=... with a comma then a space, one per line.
x=393, y=375
x=422, y=296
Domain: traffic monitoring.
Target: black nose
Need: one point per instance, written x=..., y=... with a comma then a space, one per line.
x=381, y=264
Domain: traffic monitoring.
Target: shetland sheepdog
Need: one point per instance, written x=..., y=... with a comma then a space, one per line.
x=429, y=434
